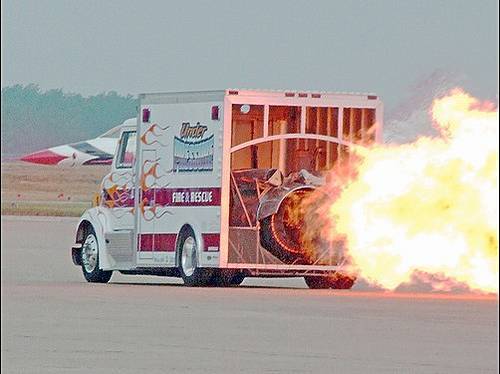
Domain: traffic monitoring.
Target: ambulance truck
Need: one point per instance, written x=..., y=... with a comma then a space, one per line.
x=207, y=186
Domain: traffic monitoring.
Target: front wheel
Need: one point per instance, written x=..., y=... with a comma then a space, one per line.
x=90, y=260
x=191, y=273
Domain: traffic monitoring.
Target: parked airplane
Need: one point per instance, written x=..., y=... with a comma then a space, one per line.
x=98, y=151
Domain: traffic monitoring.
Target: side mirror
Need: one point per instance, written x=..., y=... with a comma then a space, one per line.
x=96, y=199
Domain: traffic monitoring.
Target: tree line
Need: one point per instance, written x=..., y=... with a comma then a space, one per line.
x=33, y=119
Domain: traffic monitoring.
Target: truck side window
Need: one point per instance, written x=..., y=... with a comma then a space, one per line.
x=126, y=152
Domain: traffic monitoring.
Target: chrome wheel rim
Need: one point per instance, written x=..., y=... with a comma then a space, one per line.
x=89, y=253
x=188, y=258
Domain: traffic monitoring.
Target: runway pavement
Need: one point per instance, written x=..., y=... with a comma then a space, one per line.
x=55, y=322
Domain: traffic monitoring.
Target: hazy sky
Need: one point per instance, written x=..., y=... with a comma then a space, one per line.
x=142, y=46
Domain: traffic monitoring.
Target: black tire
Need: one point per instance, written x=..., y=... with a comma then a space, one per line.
x=342, y=281
x=91, y=271
x=337, y=281
x=317, y=282
x=238, y=278
x=199, y=277
x=226, y=278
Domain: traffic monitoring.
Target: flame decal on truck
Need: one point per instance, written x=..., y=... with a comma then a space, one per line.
x=150, y=137
x=152, y=177
x=117, y=192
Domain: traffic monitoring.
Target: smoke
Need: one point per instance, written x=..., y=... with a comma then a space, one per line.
x=410, y=119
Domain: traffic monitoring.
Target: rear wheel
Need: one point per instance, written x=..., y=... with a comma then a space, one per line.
x=342, y=281
x=90, y=260
x=336, y=281
x=191, y=273
x=237, y=279
x=226, y=278
x=317, y=282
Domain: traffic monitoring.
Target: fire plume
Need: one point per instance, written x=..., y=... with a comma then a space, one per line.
x=426, y=208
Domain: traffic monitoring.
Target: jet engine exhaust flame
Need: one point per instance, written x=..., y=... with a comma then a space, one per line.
x=424, y=210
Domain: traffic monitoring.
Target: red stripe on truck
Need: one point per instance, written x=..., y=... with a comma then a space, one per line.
x=197, y=196
x=211, y=242
x=165, y=242
x=157, y=242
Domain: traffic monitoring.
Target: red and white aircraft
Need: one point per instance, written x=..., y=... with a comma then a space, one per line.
x=98, y=151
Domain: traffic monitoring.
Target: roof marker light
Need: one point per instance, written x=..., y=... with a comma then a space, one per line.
x=215, y=113
x=315, y=96
x=146, y=112
x=289, y=94
x=302, y=94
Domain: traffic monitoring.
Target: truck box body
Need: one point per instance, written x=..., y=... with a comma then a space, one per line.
x=179, y=171
x=222, y=163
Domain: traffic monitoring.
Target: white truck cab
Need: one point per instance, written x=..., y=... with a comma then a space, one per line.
x=202, y=184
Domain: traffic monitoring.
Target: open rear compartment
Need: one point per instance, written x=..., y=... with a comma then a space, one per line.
x=280, y=157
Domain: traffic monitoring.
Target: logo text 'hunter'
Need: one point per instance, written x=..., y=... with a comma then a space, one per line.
x=196, y=131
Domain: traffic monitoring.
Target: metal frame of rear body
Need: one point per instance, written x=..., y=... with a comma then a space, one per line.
x=338, y=100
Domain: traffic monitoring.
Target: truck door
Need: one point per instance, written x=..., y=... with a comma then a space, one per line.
x=117, y=187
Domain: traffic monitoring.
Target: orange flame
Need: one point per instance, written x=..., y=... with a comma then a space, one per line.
x=429, y=207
